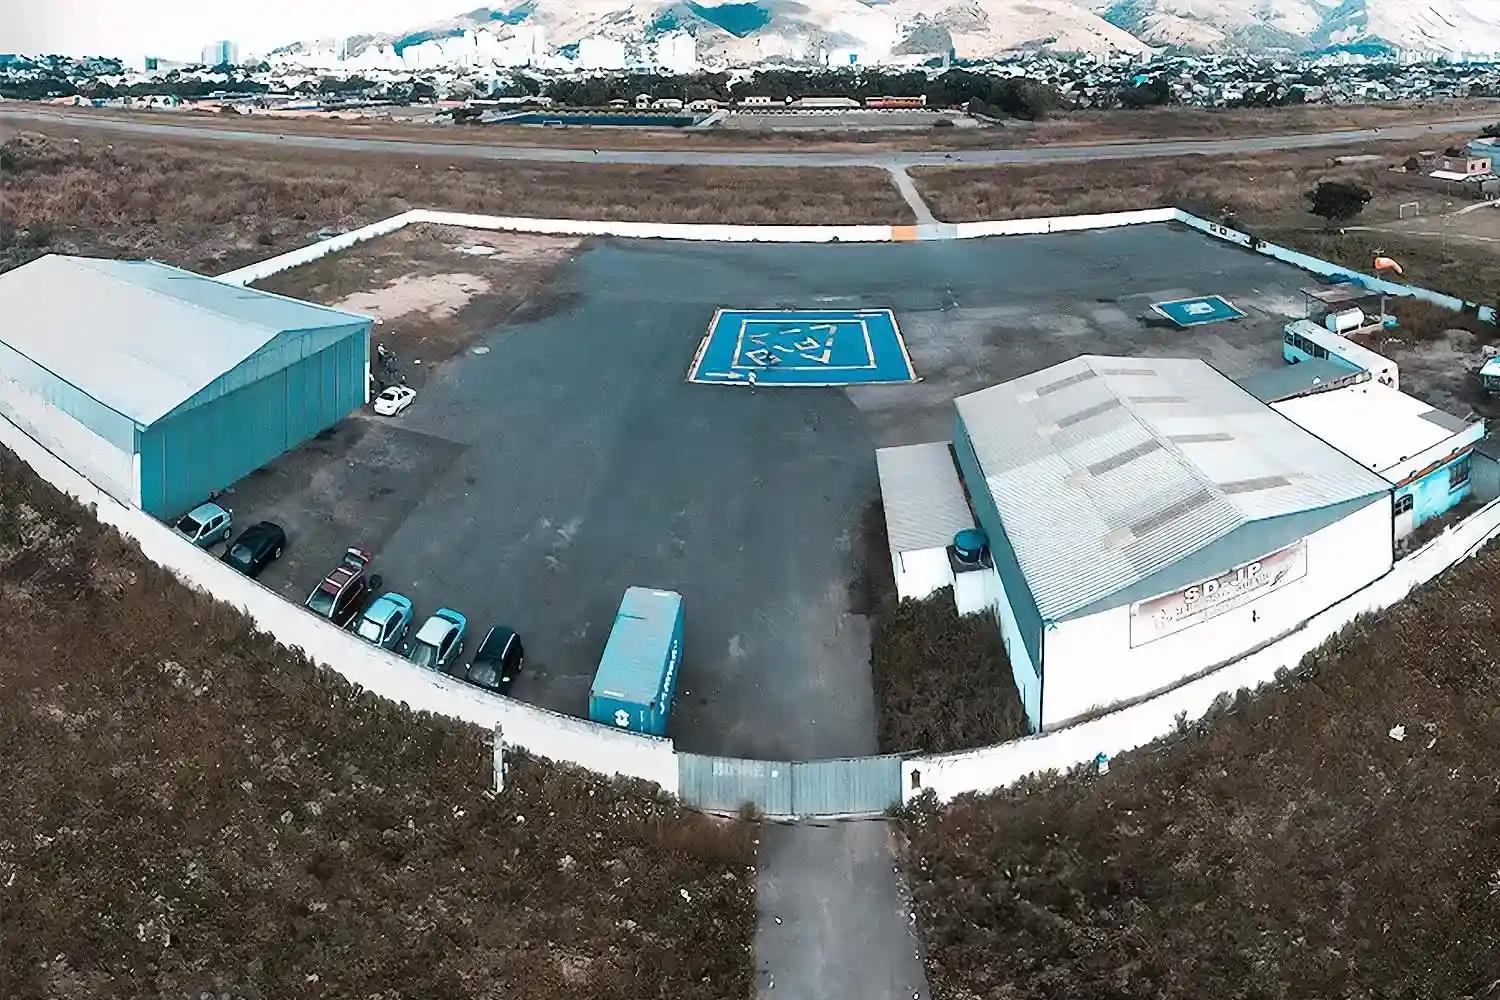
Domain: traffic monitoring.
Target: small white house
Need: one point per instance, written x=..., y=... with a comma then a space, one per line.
x=1421, y=451
x=924, y=509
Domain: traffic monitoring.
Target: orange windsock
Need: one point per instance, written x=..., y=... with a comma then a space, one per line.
x=1389, y=264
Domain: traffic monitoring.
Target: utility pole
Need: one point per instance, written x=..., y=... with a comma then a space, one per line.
x=497, y=748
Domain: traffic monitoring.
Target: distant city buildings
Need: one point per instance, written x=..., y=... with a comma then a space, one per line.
x=221, y=53
x=598, y=52
x=480, y=62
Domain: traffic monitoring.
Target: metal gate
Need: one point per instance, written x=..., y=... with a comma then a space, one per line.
x=854, y=786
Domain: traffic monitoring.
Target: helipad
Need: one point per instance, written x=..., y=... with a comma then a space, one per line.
x=816, y=347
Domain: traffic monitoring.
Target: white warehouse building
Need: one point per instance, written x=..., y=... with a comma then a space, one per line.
x=1148, y=519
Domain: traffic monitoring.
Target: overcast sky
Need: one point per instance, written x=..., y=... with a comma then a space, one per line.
x=178, y=29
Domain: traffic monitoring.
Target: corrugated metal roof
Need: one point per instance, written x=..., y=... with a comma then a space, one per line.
x=635, y=655
x=1312, y=375
x=138, y=336
x=922, y=495
x=1106, y=470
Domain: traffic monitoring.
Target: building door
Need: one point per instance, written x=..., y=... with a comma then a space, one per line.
x=1405, y=505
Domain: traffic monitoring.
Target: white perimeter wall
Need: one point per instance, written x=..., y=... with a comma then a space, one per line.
x=548, y=734
x=113, y=470
x=991, y=768
x=1088, y=663
x=692, y=231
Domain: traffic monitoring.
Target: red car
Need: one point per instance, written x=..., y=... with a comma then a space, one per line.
x=344, y=593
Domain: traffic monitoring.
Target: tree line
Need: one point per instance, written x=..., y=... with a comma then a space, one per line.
x=997, y=96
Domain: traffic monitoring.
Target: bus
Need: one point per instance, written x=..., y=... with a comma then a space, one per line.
x=1304, y=339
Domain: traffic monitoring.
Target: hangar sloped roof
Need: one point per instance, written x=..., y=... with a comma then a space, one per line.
x=1107, y=470
x=142, y=337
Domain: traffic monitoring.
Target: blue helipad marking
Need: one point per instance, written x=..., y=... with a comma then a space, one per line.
x=1198, y=311
x=805, y=347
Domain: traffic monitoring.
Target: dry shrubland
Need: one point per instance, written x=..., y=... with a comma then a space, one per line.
x=1459, y=268
x=188, y=809
x=1214, y=123
x=213, y=207
x=942, y=681
x=1266, y=187
x=1291, y=848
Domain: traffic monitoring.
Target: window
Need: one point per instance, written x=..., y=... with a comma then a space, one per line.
x=1458, y=474
x=1404, y=503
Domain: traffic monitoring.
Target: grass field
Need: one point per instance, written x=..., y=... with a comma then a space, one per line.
x=1292, y=848
x=188, y=809
x=1267, y=187
x=212, y=207
x=1062, y=128
x=1083, y=127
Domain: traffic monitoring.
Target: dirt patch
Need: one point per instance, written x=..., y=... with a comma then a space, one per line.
x=1300, y=845
x=188, y=809
x=434, y=289
x=435, y=296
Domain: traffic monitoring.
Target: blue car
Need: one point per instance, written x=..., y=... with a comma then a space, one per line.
x=439, y=641
x=386, y=621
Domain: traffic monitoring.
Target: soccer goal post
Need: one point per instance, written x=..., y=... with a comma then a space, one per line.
x=1411, y=209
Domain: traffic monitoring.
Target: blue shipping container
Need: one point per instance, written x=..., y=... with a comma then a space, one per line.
x=637, y=677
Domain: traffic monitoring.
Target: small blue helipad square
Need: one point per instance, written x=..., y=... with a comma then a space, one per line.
x=802, y=347
x=1198, y=311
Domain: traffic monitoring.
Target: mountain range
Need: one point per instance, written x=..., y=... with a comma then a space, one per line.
x=876, y=31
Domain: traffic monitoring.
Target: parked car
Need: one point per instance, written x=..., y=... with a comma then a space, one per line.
x=206, y=525
x=343, y=593
x=439, y=641
x=386, y=621
x=256, y=547
x=497, y=661
x=393, y=399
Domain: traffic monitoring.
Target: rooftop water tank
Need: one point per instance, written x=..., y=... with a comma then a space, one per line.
x=969, y=545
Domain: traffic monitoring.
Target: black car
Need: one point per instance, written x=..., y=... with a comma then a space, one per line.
x=497, y=662
x=256, y=547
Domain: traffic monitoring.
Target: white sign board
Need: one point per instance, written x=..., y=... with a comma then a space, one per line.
x=1168, y=614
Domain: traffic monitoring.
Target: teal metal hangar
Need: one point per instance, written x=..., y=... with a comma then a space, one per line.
x=160, y=385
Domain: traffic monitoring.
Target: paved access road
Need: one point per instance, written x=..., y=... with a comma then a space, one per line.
x=743, y=158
